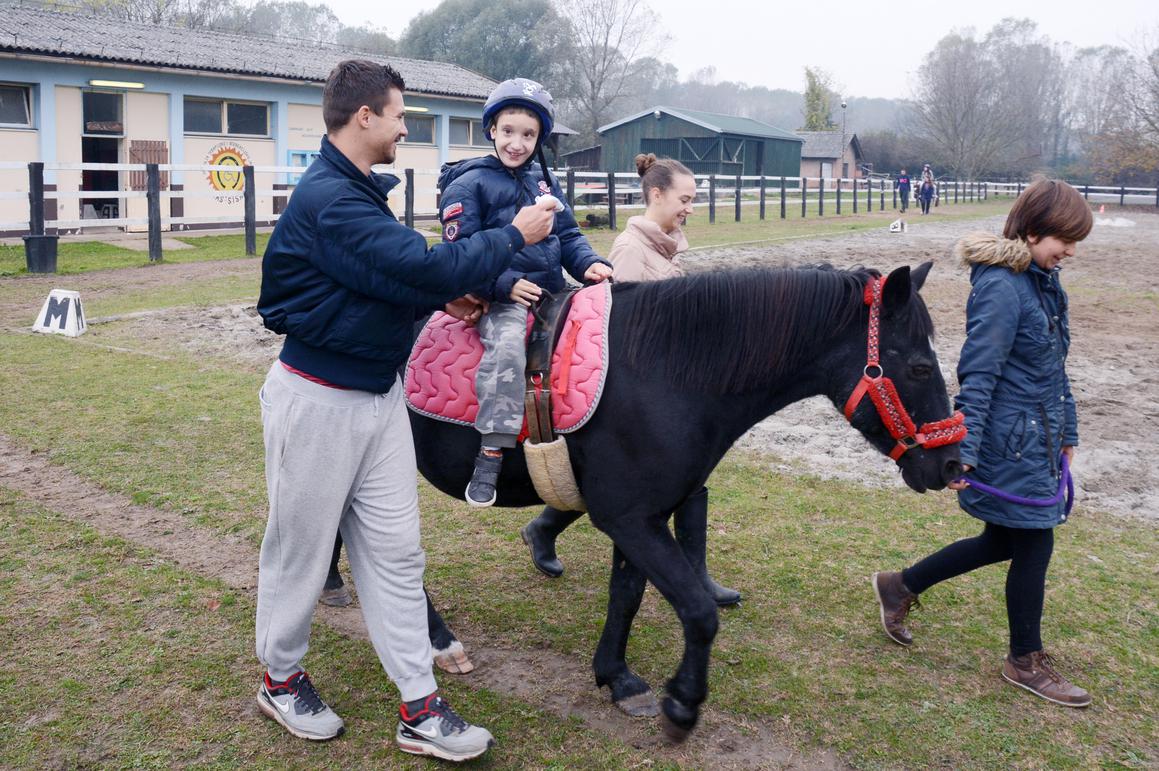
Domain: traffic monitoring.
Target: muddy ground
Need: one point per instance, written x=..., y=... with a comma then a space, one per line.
x=1114, y=301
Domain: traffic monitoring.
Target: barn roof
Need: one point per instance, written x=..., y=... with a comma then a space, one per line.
x=30, y=30
x=721, y=124
x=827, y=144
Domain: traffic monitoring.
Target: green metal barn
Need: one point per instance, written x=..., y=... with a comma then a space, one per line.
x=705, y=142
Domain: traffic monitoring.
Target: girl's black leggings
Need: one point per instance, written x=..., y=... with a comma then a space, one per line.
x=1029, y=553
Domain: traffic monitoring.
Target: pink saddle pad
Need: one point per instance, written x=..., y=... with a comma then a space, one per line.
x=440, y=376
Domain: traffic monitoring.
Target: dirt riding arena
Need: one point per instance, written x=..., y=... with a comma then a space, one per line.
x=1114, y=301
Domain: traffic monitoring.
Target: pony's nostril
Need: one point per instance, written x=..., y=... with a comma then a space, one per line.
x=953, y=470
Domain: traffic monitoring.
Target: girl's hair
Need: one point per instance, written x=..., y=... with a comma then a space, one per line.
x=658, y=172
x=1049, y=208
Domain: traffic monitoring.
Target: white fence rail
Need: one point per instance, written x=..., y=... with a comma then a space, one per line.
x=597, y=198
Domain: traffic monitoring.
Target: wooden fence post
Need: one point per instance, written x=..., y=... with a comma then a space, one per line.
x=804, y=194
x=763, y=197
x=571, y=188
x=894, y=186
x=881, y=194
x=855, y=195
x=612, y=200
x=821, y=198
x=782, y=197
x=869, y=195
x=153, y=205
x=36, y=198
x=1122, y=194
x=736, y=197
x=711, y=199
x=251, y=211
x=840, y=183
x=1087, y=193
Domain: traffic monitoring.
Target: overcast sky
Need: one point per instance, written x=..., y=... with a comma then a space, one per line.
x=765, y=43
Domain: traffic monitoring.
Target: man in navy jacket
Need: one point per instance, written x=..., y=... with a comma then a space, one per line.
x=344, y=281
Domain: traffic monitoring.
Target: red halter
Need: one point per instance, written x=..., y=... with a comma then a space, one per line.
x=888, y=403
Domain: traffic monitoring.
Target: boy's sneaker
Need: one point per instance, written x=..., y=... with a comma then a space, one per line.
x=481, y=488
x=298, y=707
x=438, y=731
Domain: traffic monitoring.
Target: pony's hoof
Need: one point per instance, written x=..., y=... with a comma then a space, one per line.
x=677, y=720
x=454, y=659
x=640, y=705
x=336, y=598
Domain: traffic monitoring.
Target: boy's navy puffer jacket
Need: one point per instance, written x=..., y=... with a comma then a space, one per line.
x=344, y=280
x=482, y=193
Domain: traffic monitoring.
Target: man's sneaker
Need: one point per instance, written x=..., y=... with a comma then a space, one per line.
x=1036, y=673
x=481, y=488
x=438, y=731
x=296, y=705
x=895, y=601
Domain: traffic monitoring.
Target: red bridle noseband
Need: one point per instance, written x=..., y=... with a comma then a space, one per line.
x=888, y=403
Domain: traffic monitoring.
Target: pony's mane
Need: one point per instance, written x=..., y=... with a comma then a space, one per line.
x=735, y=330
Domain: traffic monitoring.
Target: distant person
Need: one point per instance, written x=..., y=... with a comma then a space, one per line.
x=486, y=192
x=1022, y=423
x=903, y=189
x=926, y=195
x=344, y=280
x=647, y=250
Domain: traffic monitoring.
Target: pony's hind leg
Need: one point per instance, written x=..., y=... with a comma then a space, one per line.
x=448, y=652
x=629, y=691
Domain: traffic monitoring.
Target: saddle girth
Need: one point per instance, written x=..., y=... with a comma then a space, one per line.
x=548, y=314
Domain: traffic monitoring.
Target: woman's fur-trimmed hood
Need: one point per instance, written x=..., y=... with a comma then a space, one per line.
x=988, y=249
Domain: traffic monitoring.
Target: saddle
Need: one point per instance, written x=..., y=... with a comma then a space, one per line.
x=547, y=325
x=566, y=364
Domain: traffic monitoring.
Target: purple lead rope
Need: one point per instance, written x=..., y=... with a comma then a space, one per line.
x=1065, y=487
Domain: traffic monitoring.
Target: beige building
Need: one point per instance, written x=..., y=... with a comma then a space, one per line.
x=824, y=156
x=81, y=89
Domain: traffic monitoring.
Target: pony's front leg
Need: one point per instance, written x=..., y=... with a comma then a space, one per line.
x=448, y=652
x=630, y=692
x=655, y=552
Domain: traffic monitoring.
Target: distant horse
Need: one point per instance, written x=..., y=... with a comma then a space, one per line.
x=695, y=362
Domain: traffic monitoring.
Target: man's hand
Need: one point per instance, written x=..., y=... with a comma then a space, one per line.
x=525, y=293
x=961, y=484
x=535, y=222
x=467, y=308
x=597, y=272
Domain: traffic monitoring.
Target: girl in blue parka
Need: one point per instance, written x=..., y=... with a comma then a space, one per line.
x=1021, y=419
x=486, y=192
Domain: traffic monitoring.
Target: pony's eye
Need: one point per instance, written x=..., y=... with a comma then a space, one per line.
x=921, y=371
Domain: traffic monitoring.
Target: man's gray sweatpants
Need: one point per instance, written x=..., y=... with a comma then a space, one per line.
x=344, y=460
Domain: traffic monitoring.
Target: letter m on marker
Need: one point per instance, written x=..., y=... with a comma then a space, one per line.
x=57, y=308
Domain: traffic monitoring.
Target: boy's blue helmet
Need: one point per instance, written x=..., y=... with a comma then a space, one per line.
x=520, y=92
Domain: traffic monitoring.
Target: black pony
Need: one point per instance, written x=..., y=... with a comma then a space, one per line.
x=694, y=363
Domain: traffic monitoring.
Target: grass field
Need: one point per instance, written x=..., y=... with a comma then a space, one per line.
x=116, y=657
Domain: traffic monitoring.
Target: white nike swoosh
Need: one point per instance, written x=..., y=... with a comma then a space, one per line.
x=431, y=734
x=284, y=710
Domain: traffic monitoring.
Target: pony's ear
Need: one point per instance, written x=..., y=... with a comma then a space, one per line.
x=898, y=288
x=918, y=274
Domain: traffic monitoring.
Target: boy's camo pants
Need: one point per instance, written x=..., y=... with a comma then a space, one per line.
x=499, y=380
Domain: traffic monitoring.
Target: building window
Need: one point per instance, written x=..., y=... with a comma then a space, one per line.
x=102, y=113
x=300, y=159
x=218, y=116
x=15, y=106
x=468, y=132
x=420, y=129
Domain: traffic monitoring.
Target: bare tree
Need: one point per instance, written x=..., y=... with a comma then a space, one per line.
x=609, y=36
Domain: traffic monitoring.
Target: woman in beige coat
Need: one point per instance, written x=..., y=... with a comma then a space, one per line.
x=647, y=250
